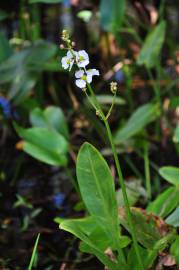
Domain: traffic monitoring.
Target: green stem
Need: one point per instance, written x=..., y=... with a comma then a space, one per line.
x=124, y=192
x=121, y=179
x=147, y=170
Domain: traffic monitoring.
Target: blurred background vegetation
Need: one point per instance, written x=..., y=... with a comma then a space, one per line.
x=132, y=42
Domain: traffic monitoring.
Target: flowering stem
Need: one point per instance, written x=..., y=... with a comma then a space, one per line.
x=112, y=105
x=121, y=180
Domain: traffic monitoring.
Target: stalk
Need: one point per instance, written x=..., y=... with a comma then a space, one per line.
x=147, y=171
x=121, y=179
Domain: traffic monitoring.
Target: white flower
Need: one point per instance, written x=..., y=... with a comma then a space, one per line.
x=84, y=78
x=68, y=60
x=90, y=73
x=82, y=59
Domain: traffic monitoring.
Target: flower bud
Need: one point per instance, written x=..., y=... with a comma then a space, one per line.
x=113, y=87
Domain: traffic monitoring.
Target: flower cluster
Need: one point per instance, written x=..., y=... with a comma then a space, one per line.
x=81, y=59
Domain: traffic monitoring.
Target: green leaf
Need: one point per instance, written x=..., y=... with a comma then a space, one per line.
x=139, y=119
x=170, y=174
x=97, y=188
x=22, y=68
x=149, y=228
x=5, y=48
x=45, y=145
x=112, y=14
x=82, y=229
x=134, y=191
x=174, y=250
x=150, y=51
x=52, y=117
x=45, y=1
x=34, y=253
x=165, y=202
x=173, y=219
x=176, y=135
x=147, y=256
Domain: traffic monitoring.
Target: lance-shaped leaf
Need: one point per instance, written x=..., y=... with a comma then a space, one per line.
x=97, y=188
x=170, y=174
x=139, y=119
x=165, y=203
x=112, y=14
x=152, y=45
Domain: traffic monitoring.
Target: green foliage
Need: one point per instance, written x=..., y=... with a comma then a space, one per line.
x=97, y=187
x=45, y=1
x=165, y=202
x=147, y=255
x=139, y=119
x=176, y=135
x=150, y=51
x=95, y=240
x=21, y=69
x=44, y=144
x=170, y=174
x=34, y=253
x=150, y=229
x=5, y=48
x=173, y=219
x=112, y=14
x=52, y=117
x=174, y=250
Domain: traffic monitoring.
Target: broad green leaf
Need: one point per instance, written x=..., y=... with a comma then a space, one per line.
x=97, y=188
x=45, y=1
x=173, y=219
x=176, y=135
x=174, y=250
x=139, y=119
x=170, y=174
x=81, y=228
x=52, y=117
x=45, y=145
x=112, y=14
x=165, y=202
x=150, y=51
x=149, y=228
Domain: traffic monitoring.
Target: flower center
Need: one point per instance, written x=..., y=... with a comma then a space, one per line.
x=68, y=61
x=81, y=58
x=83, y=77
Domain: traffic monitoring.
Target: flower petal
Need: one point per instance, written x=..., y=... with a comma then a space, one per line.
x=71, y=54
x=83, y=63
x=65, y=65
x=84, y=54
x=82, y=58
x=92, y=72
x=81, y=83
x=79, y=73
x=89, y=78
